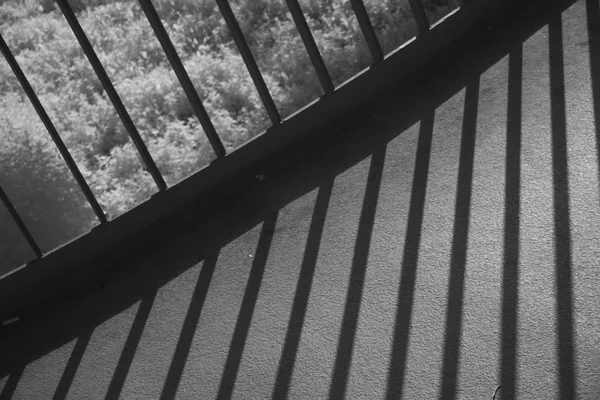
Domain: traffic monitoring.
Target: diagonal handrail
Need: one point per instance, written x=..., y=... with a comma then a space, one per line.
x=334, y=102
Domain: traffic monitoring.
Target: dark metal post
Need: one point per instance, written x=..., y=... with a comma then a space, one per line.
x=420, y=16
x=52, y=130
x=311, y=46
x=367, y=29
x=242, y=46
x=15, y=215
x=182, y=76
x=112, y=93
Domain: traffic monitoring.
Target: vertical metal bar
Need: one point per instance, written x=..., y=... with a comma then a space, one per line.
x=367, y=29
x=52, y=131
x=419, y=12
x=183, y=77
x=20, y=223
x=311, y=46
x=112, y=93
x=242, y=46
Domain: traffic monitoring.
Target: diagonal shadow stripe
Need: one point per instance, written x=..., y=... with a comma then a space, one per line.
x=72, y=365
x=131, y=345
x=410, y=259
x=236, y=348
x=11, y=384
x=512, y=201
x=459, y=245
x=593, y=27
x=345, y=345
x=188, y=329
x=562, y=230
x=303, y=289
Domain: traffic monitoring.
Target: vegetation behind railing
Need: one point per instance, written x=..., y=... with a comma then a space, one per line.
x=33, y=173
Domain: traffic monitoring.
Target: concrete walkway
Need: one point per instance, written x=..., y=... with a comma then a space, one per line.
x=445, y=246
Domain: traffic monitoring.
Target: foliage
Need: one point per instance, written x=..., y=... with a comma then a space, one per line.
x=45, y=47
x=37, y=180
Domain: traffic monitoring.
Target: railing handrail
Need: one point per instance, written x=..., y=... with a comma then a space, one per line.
x=186, y=83
x=167, y=200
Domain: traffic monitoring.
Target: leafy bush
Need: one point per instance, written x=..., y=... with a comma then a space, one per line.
x=37, y=180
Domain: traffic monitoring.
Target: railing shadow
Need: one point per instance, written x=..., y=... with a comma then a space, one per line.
x=11, y=384
x=242, y=326
x=357, y=277
x=458, y=260
x=189, y=327
x=593, y=28
x=512, y=201
x=409, y=261
x=131, y=344
x=303, y=288
x=140, y=283
x=562, y=219
x=72, y=366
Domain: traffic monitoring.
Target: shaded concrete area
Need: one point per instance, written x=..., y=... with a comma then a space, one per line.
x=442, y=247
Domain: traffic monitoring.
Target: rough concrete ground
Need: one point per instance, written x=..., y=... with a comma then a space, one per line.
x=444, y=246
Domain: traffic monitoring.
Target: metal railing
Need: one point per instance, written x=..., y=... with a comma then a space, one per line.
x=151, y=14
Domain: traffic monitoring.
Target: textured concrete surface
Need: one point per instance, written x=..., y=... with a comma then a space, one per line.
x=443, y=247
